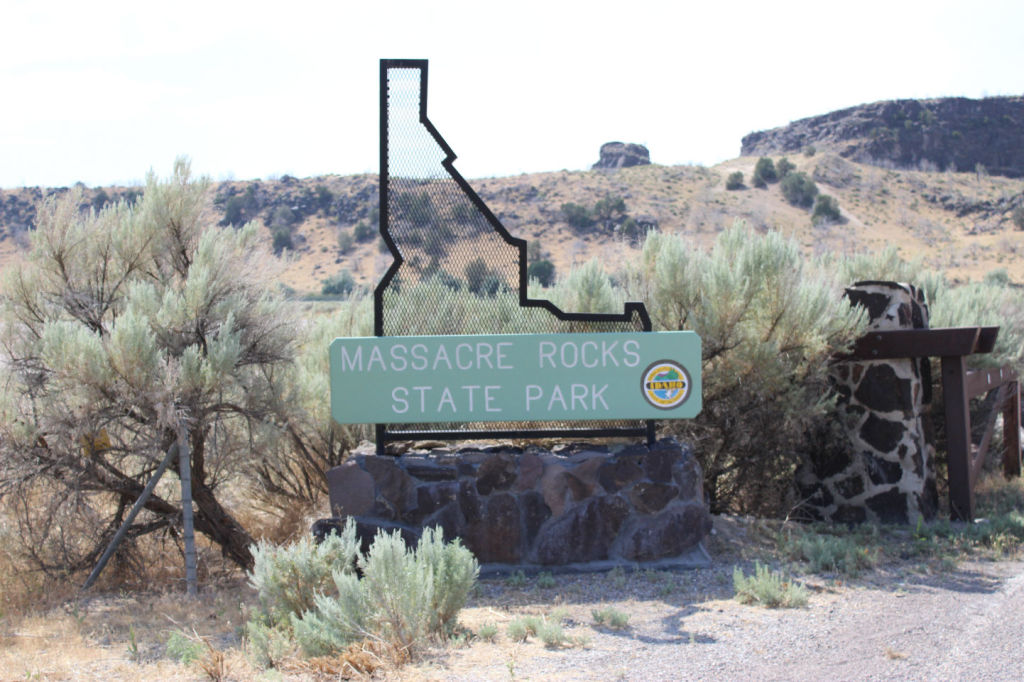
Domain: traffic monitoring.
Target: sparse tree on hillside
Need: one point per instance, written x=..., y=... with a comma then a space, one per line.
x=784, y=167
x=826, y=210
x=764, y=172
x=799, y=189
x=121, y=328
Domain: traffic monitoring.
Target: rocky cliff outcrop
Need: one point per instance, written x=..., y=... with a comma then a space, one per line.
x=623, y=155
x=951, y=133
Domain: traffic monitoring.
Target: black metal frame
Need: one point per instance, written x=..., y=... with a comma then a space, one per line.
x=630, y=308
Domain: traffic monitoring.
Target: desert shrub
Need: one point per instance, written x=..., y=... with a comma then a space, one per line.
x=233, y=212
x=630, y=229
x=323, y=197
x=363, y=231
x=288, y=578
x=283, y=217
x=146, y=322
x=993, y=303
x=799, y=190
x=769, y=321
x=1018, y=217
x=184, y=649
x=454, y=572
x=587, y=289
x=611, y=617
x=997, y=278
x=339, y=284
x=767, y=588
x=545, y=580
x=784, y=167
x=403, y=598
x=517, y=630
x=764, y=172
x=345, y=240
x=552, y=634
x=543, y=271
x=734, y=181
x=415, y=207
x=831, y=553
x=609, y=210
x=487, y=632
x=476, y=272
x=577, y=216
x=826, y=210
x=809, y=150
x=282, y=239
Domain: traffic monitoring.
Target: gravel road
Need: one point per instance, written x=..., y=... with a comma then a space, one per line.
x=898, y=622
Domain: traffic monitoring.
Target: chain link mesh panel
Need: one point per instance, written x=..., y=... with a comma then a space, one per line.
x=457, y=270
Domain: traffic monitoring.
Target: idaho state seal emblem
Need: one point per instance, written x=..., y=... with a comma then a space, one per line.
x=665, y=384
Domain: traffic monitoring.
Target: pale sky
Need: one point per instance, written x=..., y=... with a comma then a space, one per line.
x=102, y=91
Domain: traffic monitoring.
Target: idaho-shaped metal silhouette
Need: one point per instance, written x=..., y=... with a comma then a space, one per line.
x=456, y=269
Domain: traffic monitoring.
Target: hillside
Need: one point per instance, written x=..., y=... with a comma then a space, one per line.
x=935, y=134
x=958, y=222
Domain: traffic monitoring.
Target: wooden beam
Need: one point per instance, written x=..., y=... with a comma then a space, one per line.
x=979, y=453
x=987, y=339
x=916, y=343
x=981, y=381
x=958, y=437
x=1011, y=432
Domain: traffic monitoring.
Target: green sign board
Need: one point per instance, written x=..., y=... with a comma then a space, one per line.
x=515, y=377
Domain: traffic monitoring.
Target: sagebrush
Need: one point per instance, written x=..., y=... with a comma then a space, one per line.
x=312, y=598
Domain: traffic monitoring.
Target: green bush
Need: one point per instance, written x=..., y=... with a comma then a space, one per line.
x=363, y=232
x=630, y=229
x=345, y=240
x=1018, y=217
x=829, y=553
x=543, y=271
x=799, y=190
x=767, y=588
x=233, y=212
x=784, y=167
x=283, y=217
x=769, y=320
x=323, y=197
x=288, y=578
x=611, y=617
x=587, y=289
x=403, y=598
x=609, y=210
x=577, y=216
x=826, y=210
x=340, y=284
x=734, y=181
x=282, y=239
x=417, y=208
x=476, y=272
x=997, y=278
x=764, y=172
x=184, y=649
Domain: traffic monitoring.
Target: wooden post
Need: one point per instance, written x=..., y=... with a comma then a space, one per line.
x=1011, y=431
x=958, y=437
x=136, y=508
x=188, y=530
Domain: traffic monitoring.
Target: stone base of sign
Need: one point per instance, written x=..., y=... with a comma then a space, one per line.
x=577, y=507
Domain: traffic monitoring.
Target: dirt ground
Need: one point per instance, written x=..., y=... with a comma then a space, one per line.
x=908, y=619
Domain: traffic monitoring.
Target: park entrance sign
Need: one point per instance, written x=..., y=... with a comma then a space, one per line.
x=515, y=377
